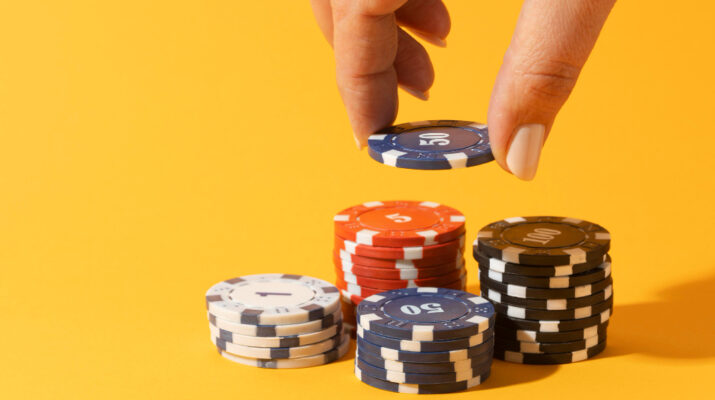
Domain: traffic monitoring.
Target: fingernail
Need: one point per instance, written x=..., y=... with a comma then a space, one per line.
x=420, y=95
x=435, y=40
x=357, y=143
x=524, y=151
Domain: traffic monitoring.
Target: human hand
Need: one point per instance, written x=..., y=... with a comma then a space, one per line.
x=374, y=55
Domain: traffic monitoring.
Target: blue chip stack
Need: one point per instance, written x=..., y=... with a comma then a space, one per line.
x=424, y=340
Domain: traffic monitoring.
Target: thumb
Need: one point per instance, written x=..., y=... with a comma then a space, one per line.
x=551, y=43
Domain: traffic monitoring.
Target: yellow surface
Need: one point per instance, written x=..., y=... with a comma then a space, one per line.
x=151, y=149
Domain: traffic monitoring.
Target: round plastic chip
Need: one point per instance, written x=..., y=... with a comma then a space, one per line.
x=399, y=223
x=434, y=144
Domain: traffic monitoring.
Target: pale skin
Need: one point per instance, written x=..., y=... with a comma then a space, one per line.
x=376, y=52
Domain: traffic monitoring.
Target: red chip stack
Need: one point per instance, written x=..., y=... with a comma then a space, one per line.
x=387, y=245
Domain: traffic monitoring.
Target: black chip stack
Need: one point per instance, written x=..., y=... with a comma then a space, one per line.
x=549, y=279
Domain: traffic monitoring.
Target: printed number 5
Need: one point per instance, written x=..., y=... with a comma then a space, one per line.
x=399, y=218
x=428, y=307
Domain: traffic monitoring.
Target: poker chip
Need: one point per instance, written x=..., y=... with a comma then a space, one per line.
x=425, y=346
x=574, y=313
x=278, y=352
x=277, y=321
x=424, y=368
x=548, y=304
x=543, y=240
x=426, y=356
x=521, y=335
x=402, y=273
x=431, y=145
x=277, y=341
x=276, y=330
x=415, y=378
x=585, y=278
x=549, y=358
x=426, y=314
x=435, y=388
x=301, y=362
x=539, y=293
x=538, y=348
x=364, y=292
x=387, y=284
x=399, y=223
x=553, y=325
x=272, y=299
x=347, y=259
x=535, y=270
x=446, y=249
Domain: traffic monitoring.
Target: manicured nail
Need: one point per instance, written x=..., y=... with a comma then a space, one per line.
x=420, y=95
x=435, y=40
x=525, y=150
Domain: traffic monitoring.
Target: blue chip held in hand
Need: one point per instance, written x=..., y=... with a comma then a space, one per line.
x=434, y=144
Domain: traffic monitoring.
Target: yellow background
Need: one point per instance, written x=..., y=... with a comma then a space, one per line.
x=150, y=149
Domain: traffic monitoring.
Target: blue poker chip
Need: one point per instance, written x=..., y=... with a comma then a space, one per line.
x=434, y=144
x=426, y=314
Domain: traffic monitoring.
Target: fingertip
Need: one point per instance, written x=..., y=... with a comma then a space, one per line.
x=358, y=143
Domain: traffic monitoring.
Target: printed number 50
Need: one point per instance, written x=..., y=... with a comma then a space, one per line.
x=430, y=308
x=434, y=139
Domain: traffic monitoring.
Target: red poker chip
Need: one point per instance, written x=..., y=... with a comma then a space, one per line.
x=394, y=273
x=365, y=292
x=376, y=283
x=407, y=253
x=399, y=223
x=346, y=258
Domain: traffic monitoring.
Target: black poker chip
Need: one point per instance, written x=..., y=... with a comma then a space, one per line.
x=525, y=335
x=555, y=282
x=498, y=265
x=551, y=315
x=538, y=348
x=543, y=240
x=549, y=358
x=541, y=293
x=547, y=304
x=553, y=325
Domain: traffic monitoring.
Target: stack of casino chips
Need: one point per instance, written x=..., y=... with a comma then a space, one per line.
x=277, y=321
x=550, y=281
x=387, y=245
x=424, y=340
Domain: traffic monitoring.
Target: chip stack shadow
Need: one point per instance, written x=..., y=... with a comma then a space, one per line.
x=424, y=340
x=385, y=245
x=277, y=321
x=549, y=279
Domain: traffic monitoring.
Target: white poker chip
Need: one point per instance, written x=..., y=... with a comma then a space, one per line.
x=301, y=362
x=279, y=352
x=276, y=330
x=272, y=299
x=276, y=341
